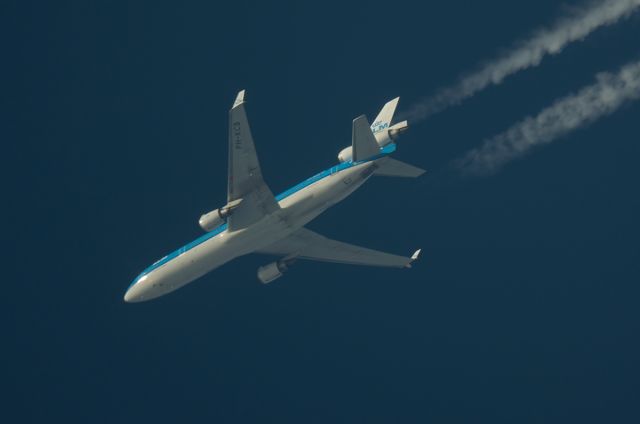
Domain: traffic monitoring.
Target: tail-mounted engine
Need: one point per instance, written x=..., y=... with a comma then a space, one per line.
x=383, y=137
x=390, y=134
x=212, y=220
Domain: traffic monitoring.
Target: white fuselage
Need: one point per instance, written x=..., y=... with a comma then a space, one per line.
x=298, y=206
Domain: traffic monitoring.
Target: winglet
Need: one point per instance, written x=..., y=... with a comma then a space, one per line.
x=414, y=257
x=239, y=99
x=416, y=254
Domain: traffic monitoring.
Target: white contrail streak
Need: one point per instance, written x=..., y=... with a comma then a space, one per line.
x=605, y=96
x=527, y=53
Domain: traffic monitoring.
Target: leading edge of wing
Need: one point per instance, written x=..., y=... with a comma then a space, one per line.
x=306, y=244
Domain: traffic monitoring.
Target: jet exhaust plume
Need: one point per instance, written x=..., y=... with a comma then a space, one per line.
x=527, y=53
x=605, y=96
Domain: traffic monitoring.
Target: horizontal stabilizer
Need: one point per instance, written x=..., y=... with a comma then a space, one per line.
x=389, y=167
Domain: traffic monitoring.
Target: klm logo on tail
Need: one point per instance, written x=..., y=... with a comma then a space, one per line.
x=379, y=126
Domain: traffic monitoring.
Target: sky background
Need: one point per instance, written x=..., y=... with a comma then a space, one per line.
x=523, y=308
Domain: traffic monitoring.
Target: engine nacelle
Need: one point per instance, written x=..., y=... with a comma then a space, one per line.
x=391, y=134
x=272, y=271
x=212, y=220
x=345, y=154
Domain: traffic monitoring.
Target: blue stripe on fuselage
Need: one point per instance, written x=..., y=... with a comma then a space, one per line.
x=388, y=149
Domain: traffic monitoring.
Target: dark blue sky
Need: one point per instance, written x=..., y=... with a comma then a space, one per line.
x=523, y=308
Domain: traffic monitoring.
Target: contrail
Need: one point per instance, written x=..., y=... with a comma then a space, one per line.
x=527, y=53
x=605, y=96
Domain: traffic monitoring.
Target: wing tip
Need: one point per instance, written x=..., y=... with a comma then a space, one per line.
x=239, y=98
x=414, y=258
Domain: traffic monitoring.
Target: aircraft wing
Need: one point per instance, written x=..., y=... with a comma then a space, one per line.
x=245, y=177
x=306, y=244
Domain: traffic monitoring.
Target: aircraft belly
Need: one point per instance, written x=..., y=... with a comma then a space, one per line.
x=296, y=211
x=254, y=219
x=210, y=255
x=308, y=203
x=185, y=268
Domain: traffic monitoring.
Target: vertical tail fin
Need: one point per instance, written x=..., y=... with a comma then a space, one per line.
x=382, y=129
x=384, y=118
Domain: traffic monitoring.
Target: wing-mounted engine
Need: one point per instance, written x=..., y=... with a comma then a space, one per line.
x=274, y=270
x=212, y=220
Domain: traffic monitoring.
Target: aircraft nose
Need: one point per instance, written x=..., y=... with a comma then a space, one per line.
x=131, y=296
x=135, y=291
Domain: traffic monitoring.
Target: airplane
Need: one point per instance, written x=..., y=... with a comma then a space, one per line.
x=256, y=221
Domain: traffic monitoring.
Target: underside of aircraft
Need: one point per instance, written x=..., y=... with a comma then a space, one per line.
x=255, y=221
